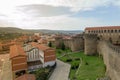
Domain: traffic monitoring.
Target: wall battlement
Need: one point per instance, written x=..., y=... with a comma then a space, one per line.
x=111, y=57
x=75, y=43
x=90, y=36
x=116, y=49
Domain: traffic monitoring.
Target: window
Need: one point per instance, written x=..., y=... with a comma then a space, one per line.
x=115, y=31
x=101, y=31
x=96, y=31
x=111, y=31
x=108, y=31
x=104, y=31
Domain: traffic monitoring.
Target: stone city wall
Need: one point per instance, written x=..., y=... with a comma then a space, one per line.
x=111, y=57
x=76, y=43
x=90, y=44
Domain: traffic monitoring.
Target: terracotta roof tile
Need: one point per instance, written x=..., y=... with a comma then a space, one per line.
x=40, y=46
x=102, y=28
x=26, y=77
x=16, y=50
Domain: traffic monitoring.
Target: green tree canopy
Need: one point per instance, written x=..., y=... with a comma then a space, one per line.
x=50, y=44
x=63, y=46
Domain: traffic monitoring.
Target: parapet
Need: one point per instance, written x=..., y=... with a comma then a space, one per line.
x=116, y=49
x=90, y=36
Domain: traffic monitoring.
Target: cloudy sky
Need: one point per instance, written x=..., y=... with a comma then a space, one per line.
x=59, y=14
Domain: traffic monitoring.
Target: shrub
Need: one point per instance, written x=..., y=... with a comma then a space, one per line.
x=68, y=60
x=50, y=44
x=63, y=46
x=59, y=51
x=86, y=63
x=75, y=65
x=77, y=58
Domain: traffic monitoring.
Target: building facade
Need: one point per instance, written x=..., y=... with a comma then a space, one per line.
x=107, y=33
x=18, y=60
x=39, y=55
x=30, y=57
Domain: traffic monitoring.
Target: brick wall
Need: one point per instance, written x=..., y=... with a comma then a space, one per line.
x=19, y=63
x=49, y=55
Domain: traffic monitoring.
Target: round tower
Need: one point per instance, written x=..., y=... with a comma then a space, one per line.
x=90, y=44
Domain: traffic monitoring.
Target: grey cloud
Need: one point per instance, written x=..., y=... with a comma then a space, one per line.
x=44, y=10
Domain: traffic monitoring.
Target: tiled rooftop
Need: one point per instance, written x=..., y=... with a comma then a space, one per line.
x=40, y=46
x=16, y=50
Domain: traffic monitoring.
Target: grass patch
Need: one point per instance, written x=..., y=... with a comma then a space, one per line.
x=92, y=67
x=60, y=52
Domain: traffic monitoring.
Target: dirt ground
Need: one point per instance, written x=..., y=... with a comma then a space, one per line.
x=5, y=67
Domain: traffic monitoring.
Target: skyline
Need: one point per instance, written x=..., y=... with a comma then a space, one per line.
x=59, y=14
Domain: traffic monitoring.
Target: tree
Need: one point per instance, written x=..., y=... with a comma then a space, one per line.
x=35, y=40
x=63, y=46
x=50, y=44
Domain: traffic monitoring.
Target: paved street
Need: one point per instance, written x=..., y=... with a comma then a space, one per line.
x=61, y=72
x=5, y=71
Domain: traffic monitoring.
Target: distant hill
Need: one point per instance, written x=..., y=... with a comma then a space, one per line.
x=10, y=30
x=18, y=30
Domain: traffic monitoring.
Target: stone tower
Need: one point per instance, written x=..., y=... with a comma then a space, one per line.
x=90, y=44
x=77, y=43
x=58, y=41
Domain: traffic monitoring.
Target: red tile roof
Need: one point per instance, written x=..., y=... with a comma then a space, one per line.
x=40, y=46
x=26, y=77
x=102, y=28
x=16, y=50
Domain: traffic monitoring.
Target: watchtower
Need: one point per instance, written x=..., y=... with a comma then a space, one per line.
x=90, y=44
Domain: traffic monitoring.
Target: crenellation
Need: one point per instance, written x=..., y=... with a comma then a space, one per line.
x=116, y=49
x=111, y=54
x=74, y=43
x=90, y=36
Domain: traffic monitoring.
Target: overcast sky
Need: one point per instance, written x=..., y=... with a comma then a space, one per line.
x=59, y=14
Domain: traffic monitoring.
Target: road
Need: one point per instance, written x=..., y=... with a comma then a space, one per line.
x=61, y=71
